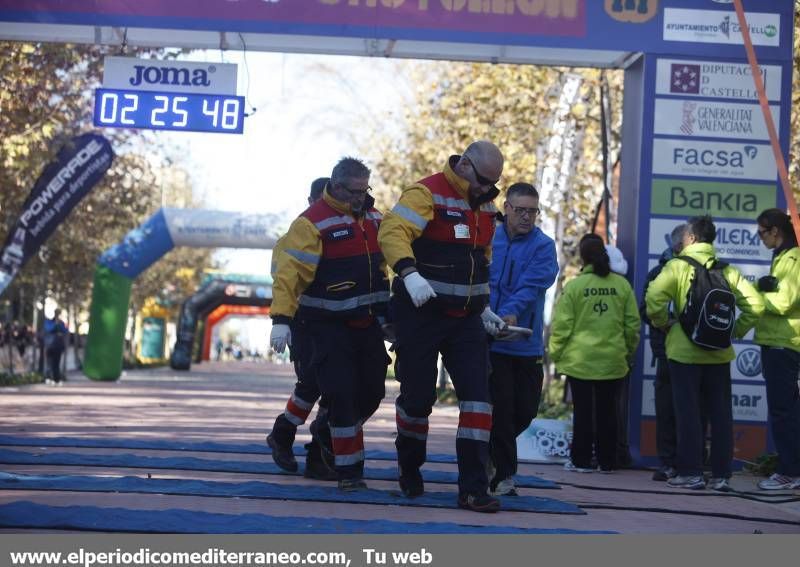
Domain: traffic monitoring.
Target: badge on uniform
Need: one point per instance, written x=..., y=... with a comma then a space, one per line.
x=461, y=231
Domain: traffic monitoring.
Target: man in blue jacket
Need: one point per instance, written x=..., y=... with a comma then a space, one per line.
x=523, y=266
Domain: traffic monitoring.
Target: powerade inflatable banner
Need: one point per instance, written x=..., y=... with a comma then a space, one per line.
x=80, y=164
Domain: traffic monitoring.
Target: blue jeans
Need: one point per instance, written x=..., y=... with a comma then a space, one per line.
x=780, y=367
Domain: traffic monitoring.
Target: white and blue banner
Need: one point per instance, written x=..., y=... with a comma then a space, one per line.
x=198, y=228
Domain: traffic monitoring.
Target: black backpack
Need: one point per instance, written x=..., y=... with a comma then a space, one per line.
x=710, y=311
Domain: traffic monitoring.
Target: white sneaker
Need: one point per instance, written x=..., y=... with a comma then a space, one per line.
x=690, y=482
x=720, y=484
x=569, y=466
x=779, y=482
x=505, y=488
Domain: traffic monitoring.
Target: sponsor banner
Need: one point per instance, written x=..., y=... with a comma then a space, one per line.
x=648, y=398
x=698, y=158
x=712, y=119
x=736, y=241
x=715, y=79
x=545, y=440
x=727, y=200
x=717, y=26
x=749, y=401
x=80, y=164
x=129, y=73
x=526, y=17
x=746, y=367
x=220, y=229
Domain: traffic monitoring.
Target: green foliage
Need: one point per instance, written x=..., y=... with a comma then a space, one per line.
x=7, y=379
x=552, y=405
x=46, y=98
x=765, y=465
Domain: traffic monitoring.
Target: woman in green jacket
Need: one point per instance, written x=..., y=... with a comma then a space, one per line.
x=593, y=338
x=778, y=333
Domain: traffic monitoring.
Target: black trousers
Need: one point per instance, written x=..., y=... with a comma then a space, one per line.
x=594, y=421
x=423, y=333
x=515, y=385
x=698, y=388
x=666, y=437
x=781, y=366
x=350, y=365
x=306, y=391
x=54, y=363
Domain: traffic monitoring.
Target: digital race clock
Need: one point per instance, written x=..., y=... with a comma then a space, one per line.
x=190, y=112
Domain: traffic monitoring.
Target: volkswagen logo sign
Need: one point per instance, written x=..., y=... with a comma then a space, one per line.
x=748, y=361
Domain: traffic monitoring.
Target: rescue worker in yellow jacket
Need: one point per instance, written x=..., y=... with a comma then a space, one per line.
x=701, y=378
x=331, y=278
x=438, y=239
x=778, y=333
x=593, y=339
x=306, y=390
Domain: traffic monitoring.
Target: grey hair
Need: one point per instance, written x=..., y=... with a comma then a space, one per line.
x=676, y=236
x=349, y=168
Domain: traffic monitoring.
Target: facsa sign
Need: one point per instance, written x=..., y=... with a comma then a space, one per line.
x=128, y=73
x=713, y=159
x=709, y=119
x=718, y=26
x=715, y=79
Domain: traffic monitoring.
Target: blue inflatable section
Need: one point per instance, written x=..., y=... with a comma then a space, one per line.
x=29, y=515
x=140, y=248
x=266, y=491
x=212, y=465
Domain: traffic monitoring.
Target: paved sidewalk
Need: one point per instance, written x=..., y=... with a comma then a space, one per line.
x=236, y=402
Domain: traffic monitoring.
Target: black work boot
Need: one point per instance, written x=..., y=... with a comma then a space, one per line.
x=283, y=456
x=411, y=483
x=315, y=466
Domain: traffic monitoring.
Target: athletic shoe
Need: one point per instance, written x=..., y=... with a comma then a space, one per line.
x=352, y=484
x=569, y=466
x=505, y=488
x=720, y=484
x=780, y=482
x=282, y=456
x=663, y=474
x=479, y=503
x=690, y=482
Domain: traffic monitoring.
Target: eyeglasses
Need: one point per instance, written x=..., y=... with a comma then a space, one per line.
x=485, y=181
x=529, y=211
x=355, y=192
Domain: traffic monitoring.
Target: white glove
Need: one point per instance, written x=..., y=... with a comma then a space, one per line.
x=280, y=336
x=418, y=288
x=491, y=322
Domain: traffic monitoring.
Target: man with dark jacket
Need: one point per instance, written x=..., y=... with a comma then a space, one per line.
x=438, y=240
x=666, y=440
x=331, y=278
x=305, y=394
x=523, y=266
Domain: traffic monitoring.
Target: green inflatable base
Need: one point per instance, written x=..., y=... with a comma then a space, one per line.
x=107, y=320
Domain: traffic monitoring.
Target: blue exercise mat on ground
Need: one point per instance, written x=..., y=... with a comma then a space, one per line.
x=29, y=515
x=163, y=445
x=8, y=456
x=265, y=490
